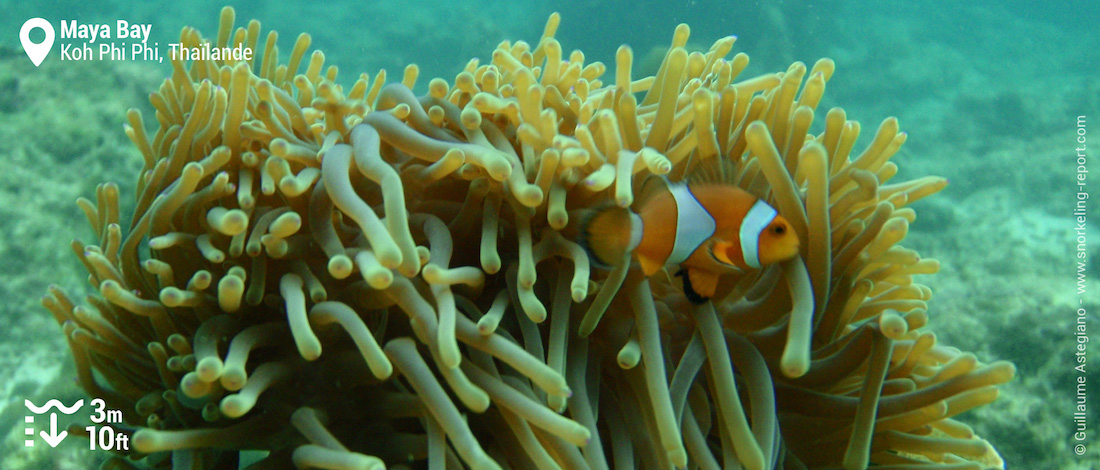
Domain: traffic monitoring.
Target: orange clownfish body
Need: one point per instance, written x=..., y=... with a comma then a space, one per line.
x=709, y=229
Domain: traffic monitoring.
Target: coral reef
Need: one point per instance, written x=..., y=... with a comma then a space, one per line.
x=366, y=278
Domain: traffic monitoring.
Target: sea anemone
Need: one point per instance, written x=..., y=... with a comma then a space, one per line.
x=363, y=277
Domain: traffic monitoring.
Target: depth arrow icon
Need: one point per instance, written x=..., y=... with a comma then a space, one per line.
x=53, y=438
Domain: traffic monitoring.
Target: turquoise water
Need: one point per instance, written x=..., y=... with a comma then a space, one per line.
x=990, y=94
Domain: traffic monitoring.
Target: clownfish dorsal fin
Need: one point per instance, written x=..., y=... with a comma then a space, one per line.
x=651, y=185
x=714, y=170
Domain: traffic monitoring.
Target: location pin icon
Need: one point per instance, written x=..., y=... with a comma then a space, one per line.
x=37, y=52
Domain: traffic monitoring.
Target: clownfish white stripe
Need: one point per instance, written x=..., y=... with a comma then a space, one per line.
x=694, y=225
x=758, y=218
x=636, y=229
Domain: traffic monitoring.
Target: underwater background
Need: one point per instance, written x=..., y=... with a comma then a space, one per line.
x=989, y=92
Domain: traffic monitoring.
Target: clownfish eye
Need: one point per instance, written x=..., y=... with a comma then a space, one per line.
x=779, y=229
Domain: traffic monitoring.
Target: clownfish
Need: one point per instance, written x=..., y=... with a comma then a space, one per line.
x=708, y=228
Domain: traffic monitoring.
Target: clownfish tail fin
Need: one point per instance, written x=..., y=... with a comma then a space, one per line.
x=607, y=235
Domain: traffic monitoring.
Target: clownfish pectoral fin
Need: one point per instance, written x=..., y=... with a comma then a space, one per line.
x=704, y=283
x=649, y=265
x=720, y=250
